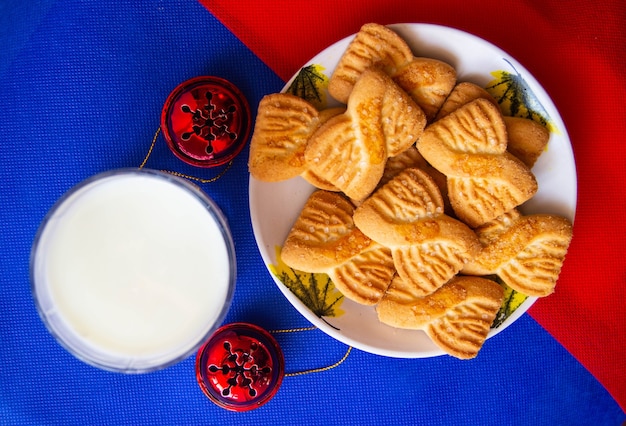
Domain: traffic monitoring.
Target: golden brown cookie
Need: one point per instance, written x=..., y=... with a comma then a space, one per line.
x=457, y=317
x=469, y=147
x=411, y=158
x=526, y=252
x=406, y=215
x=428, y=81
x=527, y=139
x=365, y=277
x=324, y=235
x=463, y=93
x=350, y=150
x=283, y=127
x=325, y=240
x=374, y=45
x=308, y=174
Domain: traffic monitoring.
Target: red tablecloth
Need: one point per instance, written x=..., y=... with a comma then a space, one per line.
x=577, y=51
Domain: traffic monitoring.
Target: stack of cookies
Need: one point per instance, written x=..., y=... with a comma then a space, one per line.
x=418, y=182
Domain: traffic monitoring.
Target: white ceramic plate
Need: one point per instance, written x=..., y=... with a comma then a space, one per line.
x=274, y=207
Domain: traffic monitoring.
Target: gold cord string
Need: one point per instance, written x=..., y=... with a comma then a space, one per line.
x=293, y=330
x=290, y=330
x=197, y=179
x=313, y=370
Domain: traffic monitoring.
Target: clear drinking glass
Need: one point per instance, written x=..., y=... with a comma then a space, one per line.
x=133, y=269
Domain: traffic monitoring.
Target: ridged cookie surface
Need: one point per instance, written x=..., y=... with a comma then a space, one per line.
x=308, y=174
x=284, y=124
x=406, y=215
x=526, y=252
x=428, y=81
x=324, y=235
x=469, y=147
x=373, y=46
x=457, y=317
x=325, y=240
x=365, y=277
x=411, y=158
x=526, y=139
x=350, y=150
x=463, y=93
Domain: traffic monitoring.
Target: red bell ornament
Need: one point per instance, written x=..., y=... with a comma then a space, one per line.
x=206, y=121
x=240, y=367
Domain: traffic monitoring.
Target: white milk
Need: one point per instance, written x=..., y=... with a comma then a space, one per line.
x=134, y=271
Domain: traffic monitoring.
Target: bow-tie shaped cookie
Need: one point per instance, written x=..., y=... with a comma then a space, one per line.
x=469, y=147
x=406, y=215
x=427, y=81
x=457, y=317
x=374, y=45
x=282, y=129
x=350, y=150
x=335, y=149
x=526, y=252
x=324, y=239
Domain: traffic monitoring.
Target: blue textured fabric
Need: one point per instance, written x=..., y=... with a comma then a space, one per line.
x=82, y=85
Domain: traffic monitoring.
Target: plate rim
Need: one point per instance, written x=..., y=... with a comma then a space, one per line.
x=538, y=90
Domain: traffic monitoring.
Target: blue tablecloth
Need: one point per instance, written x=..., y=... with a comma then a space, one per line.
x=82, y=85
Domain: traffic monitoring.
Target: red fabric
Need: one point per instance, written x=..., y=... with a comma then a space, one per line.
x=577, y=50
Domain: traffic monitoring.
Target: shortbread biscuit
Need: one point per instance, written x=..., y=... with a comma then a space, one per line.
x=457, y=317
x=350, y=150
x=284, y=124
x=308, y=174
x=469, y=147
x=526, y=252
x=325, y=240
x=373, y=46
x=527, y=139
x=463, y=93
x=428, y=81
x=411, y=158
x=406, y=215
x=324, y=235
x=365, y=277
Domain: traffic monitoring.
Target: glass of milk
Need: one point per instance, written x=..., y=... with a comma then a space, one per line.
x=133, y=269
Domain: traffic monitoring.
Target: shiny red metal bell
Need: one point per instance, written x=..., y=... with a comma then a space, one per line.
x=241, y=367
x=206, y=121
